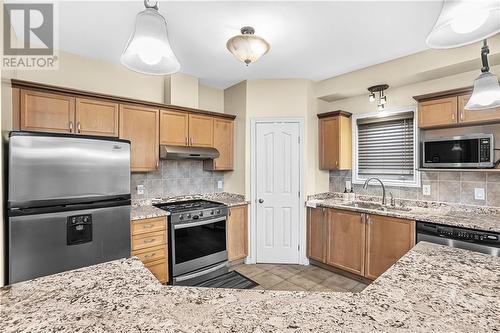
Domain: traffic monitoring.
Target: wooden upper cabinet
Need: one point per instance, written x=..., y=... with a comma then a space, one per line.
x=316, y=234
x=346, y=241
x=478, y=116
x=201, y=131
x=237, y=233
x=335, y=136
x=438, y=112
x=47, y=112
x=387, y=240
x=224, y=143
x=96, y=117
x=174, y=128
x=140, y=125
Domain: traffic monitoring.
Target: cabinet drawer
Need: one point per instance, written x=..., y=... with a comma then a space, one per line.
x=148, y=225
x=143, y=241
x=159, y=270
x=151, y=254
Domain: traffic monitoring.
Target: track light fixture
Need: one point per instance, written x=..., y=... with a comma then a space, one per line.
x=382, y=99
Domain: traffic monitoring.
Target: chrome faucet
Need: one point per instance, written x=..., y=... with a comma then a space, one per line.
x=365, y=186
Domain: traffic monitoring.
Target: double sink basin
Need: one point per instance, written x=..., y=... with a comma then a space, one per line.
x=376, y=206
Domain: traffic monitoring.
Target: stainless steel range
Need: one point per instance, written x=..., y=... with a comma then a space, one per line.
x=197, y=240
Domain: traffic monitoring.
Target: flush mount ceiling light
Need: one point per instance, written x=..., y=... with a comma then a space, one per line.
x=486, y=93
x=462, y=22
x=247, y=47
x=382, y=99
x=148, y=50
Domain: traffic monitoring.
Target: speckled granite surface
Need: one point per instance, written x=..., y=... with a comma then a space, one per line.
x=142, y=209
x=474, y=217
x=431, y=289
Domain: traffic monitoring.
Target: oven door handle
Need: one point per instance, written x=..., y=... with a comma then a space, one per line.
x=206, y=271
x=196, y=224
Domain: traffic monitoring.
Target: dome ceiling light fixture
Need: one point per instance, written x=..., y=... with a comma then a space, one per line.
x=382, y=98
x=148, y=50
x=247, y=47
x=486, y=93
x=463, y=22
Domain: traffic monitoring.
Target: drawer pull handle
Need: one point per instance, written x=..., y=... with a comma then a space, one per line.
x=147, y=241
x=147, y=226
x=147, y=256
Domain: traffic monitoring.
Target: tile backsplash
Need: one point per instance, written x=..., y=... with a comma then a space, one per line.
x=176, y=177
x=454, y=187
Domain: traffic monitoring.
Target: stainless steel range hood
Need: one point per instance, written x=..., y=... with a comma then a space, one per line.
x=194, y=153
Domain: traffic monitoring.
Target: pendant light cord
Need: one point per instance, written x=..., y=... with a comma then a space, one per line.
x=485, y=50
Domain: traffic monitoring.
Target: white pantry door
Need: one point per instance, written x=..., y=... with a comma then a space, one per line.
x=277, y=179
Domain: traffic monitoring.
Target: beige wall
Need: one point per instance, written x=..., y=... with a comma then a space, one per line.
x=210, y=99
x=235, y=99
x=181, y=89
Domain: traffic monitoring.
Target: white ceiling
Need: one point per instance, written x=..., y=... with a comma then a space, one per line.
x=313, y=40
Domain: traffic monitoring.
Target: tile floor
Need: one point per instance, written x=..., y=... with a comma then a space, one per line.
x=298, y=277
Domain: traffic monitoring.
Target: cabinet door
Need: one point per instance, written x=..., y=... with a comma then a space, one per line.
x=174, y=128
x=224, y=143
x=237, y=233
x=141, y=126
x=95, y=117
x=437, y=113
x=159, y=270
x=329, y=150
x=346, y=241
x=201, y=131
x=387, y=240
x=316, y=234
x=478, y=116
x=45, y=112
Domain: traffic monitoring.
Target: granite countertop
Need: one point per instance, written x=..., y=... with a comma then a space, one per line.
x=473, y=217
x=432, y=288
x=142, y=209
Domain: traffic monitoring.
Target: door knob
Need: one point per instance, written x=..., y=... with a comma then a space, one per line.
x=261, y=200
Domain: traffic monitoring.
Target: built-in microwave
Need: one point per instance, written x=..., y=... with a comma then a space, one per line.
x=466, y=151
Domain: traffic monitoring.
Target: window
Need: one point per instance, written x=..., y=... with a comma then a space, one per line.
x=385, y=147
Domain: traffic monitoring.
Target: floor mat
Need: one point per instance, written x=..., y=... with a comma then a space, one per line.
x=231, y=280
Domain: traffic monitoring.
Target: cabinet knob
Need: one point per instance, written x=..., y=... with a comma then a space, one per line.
x=452, y=116
x=71, y=127
x=79, y=127
x=261, y=200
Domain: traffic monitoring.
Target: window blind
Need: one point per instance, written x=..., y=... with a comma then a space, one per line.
x=385, y=147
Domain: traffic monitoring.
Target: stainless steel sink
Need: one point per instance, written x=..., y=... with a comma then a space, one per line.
x=376, y=206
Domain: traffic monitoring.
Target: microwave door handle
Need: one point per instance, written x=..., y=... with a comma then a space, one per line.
x=196, y=224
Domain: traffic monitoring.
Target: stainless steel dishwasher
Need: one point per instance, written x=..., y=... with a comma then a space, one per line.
x=468, y=239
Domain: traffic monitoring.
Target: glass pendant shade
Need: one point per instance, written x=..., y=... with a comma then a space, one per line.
x=247, y=47
x=148, y=50
x=463, y=22
x=486, y=94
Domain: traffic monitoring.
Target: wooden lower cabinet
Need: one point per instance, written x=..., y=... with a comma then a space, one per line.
x=387, y=240
x=346, y=241
x=237, y=233
x=363, y=244
x=149, y=244
x=316, y=234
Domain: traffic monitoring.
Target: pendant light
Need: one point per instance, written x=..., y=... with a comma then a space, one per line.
x=486, y=93
x=148, y=50
x=463, y=22
x=247, y=47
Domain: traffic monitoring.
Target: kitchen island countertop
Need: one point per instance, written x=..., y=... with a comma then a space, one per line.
x=432, y=288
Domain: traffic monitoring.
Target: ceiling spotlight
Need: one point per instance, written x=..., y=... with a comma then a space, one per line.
x=382, y=99
x=486, y=93
x=463, y=22
x=247, y=47
x=148, y=50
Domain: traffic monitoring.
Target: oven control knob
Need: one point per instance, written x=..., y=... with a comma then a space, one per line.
x=211, y=212
x=181, y=217
x=201, y=214
x=189, y=216
x=218, y=211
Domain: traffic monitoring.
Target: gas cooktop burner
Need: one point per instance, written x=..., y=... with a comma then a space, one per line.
x=188, y=205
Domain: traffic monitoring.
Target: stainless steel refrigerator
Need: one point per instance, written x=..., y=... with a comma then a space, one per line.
x=68, y=202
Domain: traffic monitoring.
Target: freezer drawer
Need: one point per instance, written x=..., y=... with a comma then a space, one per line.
x=50, y=243
x=47, y=169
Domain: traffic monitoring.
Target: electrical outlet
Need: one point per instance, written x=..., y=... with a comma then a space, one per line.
x=348, y=184
x=220, y=184
x=426, y=189
x=140, y=189
x=479, y=193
